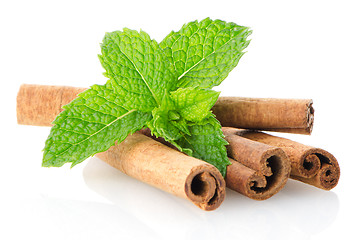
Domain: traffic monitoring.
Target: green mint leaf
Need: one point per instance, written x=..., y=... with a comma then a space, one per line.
x=139, y=75
x=166, y=121
x=194, y=104
x=206, y=142
x=90, y=124
x=137, y=68
x=203, y=53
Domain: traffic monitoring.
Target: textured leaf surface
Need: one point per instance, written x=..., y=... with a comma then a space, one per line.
x=137, y=68
x=90, y=124
x=203, y=53
x=206, y=142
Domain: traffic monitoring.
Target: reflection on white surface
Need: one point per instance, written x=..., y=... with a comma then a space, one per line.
x=54, y=218
x=298, y=211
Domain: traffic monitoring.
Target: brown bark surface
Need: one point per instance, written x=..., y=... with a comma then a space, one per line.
x=40, y=104
x=280, y=115
x=151, y=162
x=271, y=114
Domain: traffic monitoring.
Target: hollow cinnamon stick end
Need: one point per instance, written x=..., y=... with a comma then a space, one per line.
x=244, y=180
x=280, y=166
x=205, y=187
x=329, y=177
x=328, y=174
x=260, y=185
x=310, y=117
x=267, y=161
x=307, y=165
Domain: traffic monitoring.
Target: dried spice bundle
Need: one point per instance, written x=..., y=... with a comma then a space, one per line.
x=164, y=91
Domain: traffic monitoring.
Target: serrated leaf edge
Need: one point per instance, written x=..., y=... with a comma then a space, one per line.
x=109, y=124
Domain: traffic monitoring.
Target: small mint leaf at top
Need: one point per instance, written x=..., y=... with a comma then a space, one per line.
x=194, y=104
x=90, y=124
x=161, y=126
x=203, y=53
x=137, y=68
x=166, y=122
x=173, y=115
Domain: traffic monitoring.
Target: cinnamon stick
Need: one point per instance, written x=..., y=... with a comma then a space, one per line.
x=137, y=156
x=280, y=115
x=271, y=114
x=257, y=185
x=151, y=162
x=267, y=168
x=309, y=164
x=39, y=104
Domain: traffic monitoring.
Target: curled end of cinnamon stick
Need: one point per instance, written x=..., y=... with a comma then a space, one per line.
x=310, y=117
x=328, y=173
x=259, y=185
x=244, y=180
x=269, y=166
x=328, y=177
x=205, y=187
x=308, y=165
x=276, y=174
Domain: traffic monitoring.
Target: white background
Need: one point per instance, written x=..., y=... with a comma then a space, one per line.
x=299, y=49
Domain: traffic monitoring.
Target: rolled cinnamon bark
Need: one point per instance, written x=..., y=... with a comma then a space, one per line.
x=151, y=162
x=310, y=165
x=279, y=115
x=268, y=167
x=246, y=181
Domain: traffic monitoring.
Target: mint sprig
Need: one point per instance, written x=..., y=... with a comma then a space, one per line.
x=165, y=87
